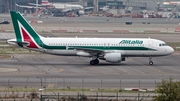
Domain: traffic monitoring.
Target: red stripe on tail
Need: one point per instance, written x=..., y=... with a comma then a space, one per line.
x=27, y=38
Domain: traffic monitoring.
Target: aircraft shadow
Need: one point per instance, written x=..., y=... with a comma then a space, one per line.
x=87, y=64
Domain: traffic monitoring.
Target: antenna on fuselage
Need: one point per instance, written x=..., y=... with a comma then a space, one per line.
x=149, y=38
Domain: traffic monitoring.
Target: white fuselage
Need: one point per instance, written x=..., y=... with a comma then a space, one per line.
x=67, y=6
x=148, y=47
x=112, y=50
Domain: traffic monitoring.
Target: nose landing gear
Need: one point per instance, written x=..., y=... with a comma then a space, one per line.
x=150, y=61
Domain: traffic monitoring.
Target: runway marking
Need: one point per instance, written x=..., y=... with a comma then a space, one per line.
x=61, y=70
x=146, y=66
x=50, y=86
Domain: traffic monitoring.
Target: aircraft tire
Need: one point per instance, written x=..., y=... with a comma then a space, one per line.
x=96, y=61
x=150, y=63
x=92, y=62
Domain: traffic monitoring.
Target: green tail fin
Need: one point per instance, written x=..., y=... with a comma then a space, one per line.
x=21, y=27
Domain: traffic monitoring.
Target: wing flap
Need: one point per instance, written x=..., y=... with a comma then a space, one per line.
x=23, y=6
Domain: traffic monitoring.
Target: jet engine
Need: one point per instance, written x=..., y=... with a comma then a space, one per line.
x=113, y=57
x=81, y=12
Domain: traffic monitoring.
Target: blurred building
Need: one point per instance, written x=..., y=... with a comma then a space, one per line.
x=7, y=5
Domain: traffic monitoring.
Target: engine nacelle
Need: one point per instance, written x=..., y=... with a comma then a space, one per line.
x=83, y=54
x=113, y=57
x=81, y=12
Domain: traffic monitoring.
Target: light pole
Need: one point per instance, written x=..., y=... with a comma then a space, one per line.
x=26, y=85
x=41, y=89
x=36, y=5
x=96, y=4
x=8, y=85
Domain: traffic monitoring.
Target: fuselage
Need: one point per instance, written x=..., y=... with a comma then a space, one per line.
x=140, y=47
x=58, y=7
x=67, y=6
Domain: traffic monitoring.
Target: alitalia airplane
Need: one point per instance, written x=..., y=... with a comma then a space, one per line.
x=113, y=50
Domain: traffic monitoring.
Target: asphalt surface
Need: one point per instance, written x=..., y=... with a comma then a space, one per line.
x=94, y=19
x=101, y=24
x=163, y=37
x=76, y=72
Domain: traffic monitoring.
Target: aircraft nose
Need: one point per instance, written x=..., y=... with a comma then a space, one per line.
x=171, y=50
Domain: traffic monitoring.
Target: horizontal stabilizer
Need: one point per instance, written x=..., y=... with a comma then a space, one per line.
x=34, y=4
x=22, y=44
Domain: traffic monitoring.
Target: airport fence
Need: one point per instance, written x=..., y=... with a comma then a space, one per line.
x=65, y=88
x=95, y=97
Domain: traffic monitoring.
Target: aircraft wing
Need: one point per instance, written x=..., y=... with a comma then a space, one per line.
x=89, y=50
x=87, y=8
x=34, y=4
x=23, y=6
x=21, y=44
x=66, y=10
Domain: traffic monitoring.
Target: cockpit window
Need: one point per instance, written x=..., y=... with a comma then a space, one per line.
x=163, y=44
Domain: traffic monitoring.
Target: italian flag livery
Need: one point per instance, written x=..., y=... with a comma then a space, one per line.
x=112, y=50
x=23, y=36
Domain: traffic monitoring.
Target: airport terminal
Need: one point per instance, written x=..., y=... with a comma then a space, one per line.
x=118, y=50
x=7, y=5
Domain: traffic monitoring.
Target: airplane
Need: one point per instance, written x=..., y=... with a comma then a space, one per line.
x=54, y=7
x=105, y=8
x=23, y=6
x=174, y=3
x=172, y=10
x=113, y=50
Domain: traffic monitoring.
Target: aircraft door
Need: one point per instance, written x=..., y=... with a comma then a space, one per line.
x=150, y=43
x=106, y=45
x=150, y=46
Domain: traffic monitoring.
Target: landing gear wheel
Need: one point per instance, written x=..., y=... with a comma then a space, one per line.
x=92, y=62
x=150, y=63
x=96, y=61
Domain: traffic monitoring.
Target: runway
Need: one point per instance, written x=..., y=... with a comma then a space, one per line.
x=98, y=24
x=76, y=71
x=94, y=19
x=163, y=37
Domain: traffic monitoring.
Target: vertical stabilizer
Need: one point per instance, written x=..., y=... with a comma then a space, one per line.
x=45, y=2
x=23, y=30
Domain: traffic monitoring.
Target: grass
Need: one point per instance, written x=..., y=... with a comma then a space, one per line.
x=30, y=89
x=4, y=56
x=15, y=50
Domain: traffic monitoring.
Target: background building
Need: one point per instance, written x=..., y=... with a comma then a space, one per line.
x=7, y=5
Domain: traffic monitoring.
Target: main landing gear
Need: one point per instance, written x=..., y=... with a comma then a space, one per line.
x=150, y=61
x=94, y=62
